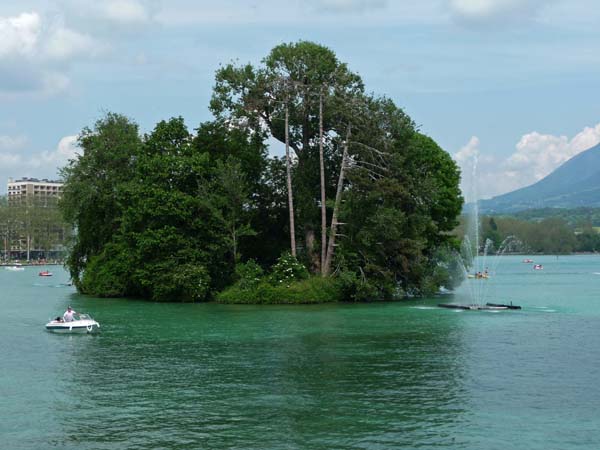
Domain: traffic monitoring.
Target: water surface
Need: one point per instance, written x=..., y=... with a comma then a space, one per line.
x=368, y=376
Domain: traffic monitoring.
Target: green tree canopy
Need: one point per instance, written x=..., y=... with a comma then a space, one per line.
x=174, y=212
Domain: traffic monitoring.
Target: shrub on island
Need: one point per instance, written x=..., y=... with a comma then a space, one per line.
x=288, y=282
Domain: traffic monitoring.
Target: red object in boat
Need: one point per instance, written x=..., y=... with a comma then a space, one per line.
x=45, y=273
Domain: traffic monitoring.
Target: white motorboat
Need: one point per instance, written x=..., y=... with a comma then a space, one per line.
x=82, y=323
x=14, y=268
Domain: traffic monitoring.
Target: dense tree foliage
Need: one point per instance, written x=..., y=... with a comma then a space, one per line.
x=175, y=215
x=552, y=235
x=395, y=224
x=93, y=182
x=575, y=217
x=178, y=208
x=32, y=228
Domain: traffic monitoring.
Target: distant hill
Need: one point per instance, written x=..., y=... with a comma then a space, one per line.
x=574, y=184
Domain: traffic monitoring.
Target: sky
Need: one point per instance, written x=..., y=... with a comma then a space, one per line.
x=515, y=82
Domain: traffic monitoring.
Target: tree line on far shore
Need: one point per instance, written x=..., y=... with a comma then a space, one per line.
x=32, y=228
x=553, y=234
x=360, y=207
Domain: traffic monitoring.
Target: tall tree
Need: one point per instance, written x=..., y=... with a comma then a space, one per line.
x=93, y=180
x=230, y=194
x=288, y=174
x=257, y=96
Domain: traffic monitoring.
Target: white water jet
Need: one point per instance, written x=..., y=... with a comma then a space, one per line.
x=478, y=261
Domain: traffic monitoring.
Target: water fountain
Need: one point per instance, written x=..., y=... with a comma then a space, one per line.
x=476, y=261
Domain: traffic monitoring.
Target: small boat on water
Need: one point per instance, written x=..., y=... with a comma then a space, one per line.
x=83, y=323
x=528, y=260
x=478, y=276
x=45, y=273
x=14, y=268
x=538, y=267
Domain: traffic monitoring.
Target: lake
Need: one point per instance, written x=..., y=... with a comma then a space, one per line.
x=364, y=376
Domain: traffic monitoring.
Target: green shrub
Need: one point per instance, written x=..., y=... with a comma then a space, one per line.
x=315, y=289
x=287, y=269
x=183, y=283
x=249, y=274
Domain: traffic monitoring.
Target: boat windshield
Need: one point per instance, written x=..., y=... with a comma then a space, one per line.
x=83, y=317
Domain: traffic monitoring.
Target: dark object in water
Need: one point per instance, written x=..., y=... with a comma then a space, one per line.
x=487, y=306
x=511, y=306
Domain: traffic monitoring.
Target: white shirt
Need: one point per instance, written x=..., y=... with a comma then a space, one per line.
x=68, y=316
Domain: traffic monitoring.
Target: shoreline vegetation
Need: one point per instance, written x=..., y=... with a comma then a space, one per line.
x=360, y=208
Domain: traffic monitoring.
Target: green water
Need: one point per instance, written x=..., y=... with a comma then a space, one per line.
x=381, y=376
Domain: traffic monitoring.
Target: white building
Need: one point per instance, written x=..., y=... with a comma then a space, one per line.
x=32, y=187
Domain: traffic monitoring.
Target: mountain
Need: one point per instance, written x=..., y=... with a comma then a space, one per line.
x=574, y=184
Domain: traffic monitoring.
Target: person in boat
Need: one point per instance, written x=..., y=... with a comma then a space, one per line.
x=68, y=315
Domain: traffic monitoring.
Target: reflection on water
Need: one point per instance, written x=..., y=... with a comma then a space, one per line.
x=328, y=377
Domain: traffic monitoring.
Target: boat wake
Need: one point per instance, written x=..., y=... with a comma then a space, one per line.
x=544, y=309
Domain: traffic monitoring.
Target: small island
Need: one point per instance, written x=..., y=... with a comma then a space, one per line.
x=359, y=207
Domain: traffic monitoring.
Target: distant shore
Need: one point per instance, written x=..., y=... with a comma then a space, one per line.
x=26, y=264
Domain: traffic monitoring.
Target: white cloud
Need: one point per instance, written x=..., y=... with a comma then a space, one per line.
x=65, y=150
x=67, y=147
x=471, y=161
x=489, y=11
x=35, y=53
x=536, y=156
x=28, y=36
x=63, y=44
x=19, y=35
x=14, y=163
x=469, y=151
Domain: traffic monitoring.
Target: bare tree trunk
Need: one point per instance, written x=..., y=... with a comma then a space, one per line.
x=313, y=256
x=323, y=199
x=336, y=208
x=235, y=256
x=289, y=183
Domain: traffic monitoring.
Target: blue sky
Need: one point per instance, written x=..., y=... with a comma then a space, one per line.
x=514, y=81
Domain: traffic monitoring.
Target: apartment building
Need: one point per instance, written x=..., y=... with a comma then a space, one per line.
x=32, y=187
